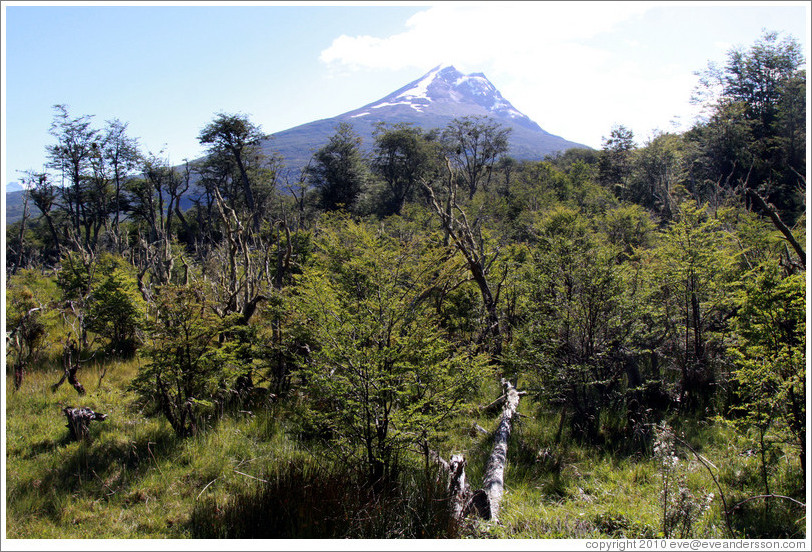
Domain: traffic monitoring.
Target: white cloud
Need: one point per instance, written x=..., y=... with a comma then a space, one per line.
x=473, y=35
x=539, y=56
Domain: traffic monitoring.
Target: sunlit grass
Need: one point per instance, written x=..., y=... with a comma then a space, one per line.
x=135, y=479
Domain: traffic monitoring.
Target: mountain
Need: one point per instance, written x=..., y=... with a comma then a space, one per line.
x=430, y=102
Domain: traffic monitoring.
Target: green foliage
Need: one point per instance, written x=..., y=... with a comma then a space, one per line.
x=694, y=273
x=623, y=288
x=579, y=316
x=339, y=174
x=187, y=367
x=755, y=131
x=474, y=145
x=381, y=376
x=404, y=156
x=770, y=359
x=26, y=330
x=115, y=309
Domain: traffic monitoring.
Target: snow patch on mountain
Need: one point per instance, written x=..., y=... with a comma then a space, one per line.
x=421, y=89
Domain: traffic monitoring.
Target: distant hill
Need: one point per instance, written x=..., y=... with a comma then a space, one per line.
x=14, y=205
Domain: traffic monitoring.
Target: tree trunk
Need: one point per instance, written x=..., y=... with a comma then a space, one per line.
x=458, y=489
x=493, y=486
x=778, y=223
x=70, y=361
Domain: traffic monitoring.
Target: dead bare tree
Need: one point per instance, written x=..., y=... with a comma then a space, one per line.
x=780, y=226
x=471, y=245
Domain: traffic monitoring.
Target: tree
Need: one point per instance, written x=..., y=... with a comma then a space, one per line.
x=44, y=195
x=474, y=145
x=615, y=161
x=693, y=269
x=754, y=133
x=71, y=156
x=656, y=176
x=186, y=364
x=115, y=310
x=339, y=172
x=381, y=376
x=237, y=138
x=122, y=155
x=770, y=358
x=468, y=240
x=403, y=155
x=26, y=330
x=578, y=320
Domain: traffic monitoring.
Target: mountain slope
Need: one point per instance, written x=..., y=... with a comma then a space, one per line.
x=432, y=101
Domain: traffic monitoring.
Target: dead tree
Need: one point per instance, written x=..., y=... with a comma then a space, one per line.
x=484, y=502
x=459, y=491
x=70, y=363
x=79, y=419
x=459, y=230
x=779, y=224
x=488, y=499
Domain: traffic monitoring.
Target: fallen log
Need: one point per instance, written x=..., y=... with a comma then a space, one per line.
x=79, y=419
x=487, y=500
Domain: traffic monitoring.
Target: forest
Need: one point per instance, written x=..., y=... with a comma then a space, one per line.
x=430, y=340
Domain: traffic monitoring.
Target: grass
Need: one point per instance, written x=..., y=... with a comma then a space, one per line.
x=135, y=479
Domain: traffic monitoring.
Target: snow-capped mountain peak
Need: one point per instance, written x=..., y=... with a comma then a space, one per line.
x=431, y=102
x=446, y=85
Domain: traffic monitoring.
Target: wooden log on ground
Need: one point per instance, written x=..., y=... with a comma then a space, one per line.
x=487, y=500
x=79, y=419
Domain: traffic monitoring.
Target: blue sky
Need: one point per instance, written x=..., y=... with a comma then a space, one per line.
x=576, y=68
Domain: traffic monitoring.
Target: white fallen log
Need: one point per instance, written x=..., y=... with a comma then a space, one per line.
x=487, y=500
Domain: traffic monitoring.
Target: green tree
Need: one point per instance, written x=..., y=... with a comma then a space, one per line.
x=339, y=172
x=474, y=146
x=693, y=270
x=235, y=139
x=186, y=366
x=122, y=154
x=77, y=144
x=771, y=361
x=115, y=309
x=755, y=129
x=381, y=375
x=26, y=330
x=577, y=320
x=403, y=156
x=615, y=161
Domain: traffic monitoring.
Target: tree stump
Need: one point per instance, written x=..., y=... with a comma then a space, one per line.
x=79, y=419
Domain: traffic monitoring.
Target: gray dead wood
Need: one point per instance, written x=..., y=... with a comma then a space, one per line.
x=79, y=419
x=458, y=489
x=487, y=500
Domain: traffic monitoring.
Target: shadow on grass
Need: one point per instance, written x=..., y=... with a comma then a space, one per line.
x=103, y=467
x=305, y=499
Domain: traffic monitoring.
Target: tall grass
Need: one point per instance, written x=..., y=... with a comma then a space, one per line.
x=250, y=477
x=306, y=499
